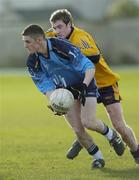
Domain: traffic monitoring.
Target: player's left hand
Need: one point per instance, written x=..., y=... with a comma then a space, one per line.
x=59, y=114
x=82, y=93
x=50, y=107
x=55, y=113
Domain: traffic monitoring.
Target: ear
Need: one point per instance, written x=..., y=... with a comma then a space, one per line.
x=39, y=39
x=69, y=24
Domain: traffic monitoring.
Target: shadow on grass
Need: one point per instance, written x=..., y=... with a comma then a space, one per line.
x=132, y=173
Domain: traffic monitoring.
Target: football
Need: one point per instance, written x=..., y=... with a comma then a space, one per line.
x=61, y=100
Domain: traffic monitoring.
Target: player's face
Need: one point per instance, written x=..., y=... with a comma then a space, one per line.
x=31, y=44
x=62, y=30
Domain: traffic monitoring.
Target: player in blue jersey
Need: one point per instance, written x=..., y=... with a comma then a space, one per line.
x=55, y=63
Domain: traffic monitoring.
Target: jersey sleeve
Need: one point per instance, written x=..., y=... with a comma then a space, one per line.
x=40, y=78
x=87, y=45
x=42, y=82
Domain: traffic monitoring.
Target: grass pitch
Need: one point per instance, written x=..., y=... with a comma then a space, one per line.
x=33, y=142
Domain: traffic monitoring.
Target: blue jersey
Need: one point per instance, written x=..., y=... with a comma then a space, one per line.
x=65, y=66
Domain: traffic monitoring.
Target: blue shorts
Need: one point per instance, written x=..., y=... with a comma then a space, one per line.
x=109, y=95
x=92, y=90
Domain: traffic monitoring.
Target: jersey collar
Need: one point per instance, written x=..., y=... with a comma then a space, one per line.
x=72, y=29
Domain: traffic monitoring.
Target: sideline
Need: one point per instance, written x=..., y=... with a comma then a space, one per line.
x=13, y=72
x=24, y=72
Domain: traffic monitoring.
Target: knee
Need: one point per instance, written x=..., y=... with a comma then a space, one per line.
x=79, y=131
x=79, y=134
x=90, y=124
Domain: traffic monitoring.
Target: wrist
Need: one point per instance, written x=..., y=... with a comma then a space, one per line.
x=85, y=84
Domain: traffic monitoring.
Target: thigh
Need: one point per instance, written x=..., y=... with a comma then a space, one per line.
x=115, y=113
x=88, y=112
x=73, y=117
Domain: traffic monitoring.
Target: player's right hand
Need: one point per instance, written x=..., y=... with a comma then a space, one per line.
x=82, y=94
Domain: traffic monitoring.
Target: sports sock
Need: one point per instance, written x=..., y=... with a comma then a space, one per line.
x=94, y=151
x=108, y=132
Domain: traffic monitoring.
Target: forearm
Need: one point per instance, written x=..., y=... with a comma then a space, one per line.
x=89, y=75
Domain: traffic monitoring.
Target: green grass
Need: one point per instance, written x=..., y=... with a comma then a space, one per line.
x=33, y=142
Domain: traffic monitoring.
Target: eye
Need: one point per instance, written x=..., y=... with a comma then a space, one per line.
x=27, y=41
x=59, y=27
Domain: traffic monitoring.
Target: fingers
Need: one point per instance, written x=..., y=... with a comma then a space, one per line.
x=50, y=107
x=55, y=113
x=59, y=114
x=82, y=99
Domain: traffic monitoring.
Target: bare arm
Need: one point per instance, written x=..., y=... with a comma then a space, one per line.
x=89, y=75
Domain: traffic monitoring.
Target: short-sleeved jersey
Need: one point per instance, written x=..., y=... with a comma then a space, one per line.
x=104, y=75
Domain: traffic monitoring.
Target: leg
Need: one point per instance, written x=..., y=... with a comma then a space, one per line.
x=97, y=125
x=76, y=146
x=116, y=116
x=73, y=118
x=110, y=97
x=90, y=122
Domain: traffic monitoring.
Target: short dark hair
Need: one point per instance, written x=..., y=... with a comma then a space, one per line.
x=61, y=14
x=33, y=31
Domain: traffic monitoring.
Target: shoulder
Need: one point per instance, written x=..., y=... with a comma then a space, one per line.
x=59, y=43
x=63, y=47
x=82, y=39
x=80, y=32
x=79, y=37
x=50, y=33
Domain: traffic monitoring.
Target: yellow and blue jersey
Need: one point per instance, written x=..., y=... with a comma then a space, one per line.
x=104, y=75
x=65, y=66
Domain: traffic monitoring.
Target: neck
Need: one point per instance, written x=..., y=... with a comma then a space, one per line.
x=70, y=32
x=43, y=49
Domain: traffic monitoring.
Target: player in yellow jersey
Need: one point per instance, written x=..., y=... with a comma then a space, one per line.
x=107, y=81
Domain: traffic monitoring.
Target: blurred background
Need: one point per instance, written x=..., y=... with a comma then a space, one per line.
x=113, y=24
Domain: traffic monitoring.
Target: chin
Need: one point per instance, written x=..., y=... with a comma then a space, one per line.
x=61, y=37
x=31, y=52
